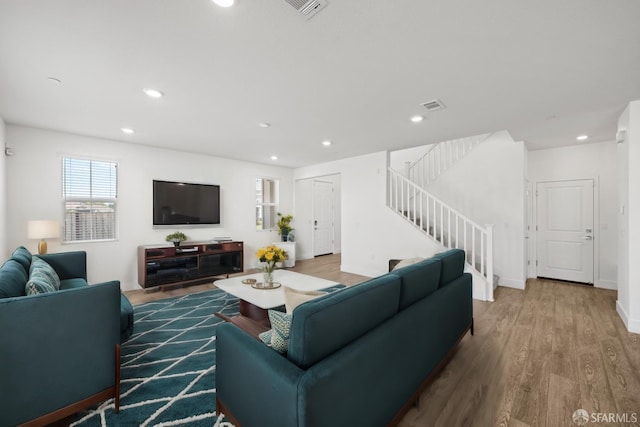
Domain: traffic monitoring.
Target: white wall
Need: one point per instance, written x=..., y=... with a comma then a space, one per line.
x=488, y=186
x=628, y=164
x=371, y=232
x=304, y=215
x=588, y=161
x=34, y=192
x=4, y=248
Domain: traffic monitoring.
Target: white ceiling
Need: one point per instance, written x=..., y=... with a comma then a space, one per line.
x=544, y=70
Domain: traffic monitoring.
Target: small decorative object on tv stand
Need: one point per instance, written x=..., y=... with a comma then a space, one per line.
x=196, y=263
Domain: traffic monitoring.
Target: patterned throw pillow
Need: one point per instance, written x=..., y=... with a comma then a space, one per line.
x=38, y=285
x=266, y=337
x=41, y=269
x=281, y=328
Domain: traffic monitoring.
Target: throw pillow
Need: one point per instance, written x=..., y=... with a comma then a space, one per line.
x=281, y=328
x=406, y=262
x=40, y=268
x=266, y=337
x=38, y=285
x=294, y=297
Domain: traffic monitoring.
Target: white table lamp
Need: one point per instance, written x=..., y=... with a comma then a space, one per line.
x=43, y=230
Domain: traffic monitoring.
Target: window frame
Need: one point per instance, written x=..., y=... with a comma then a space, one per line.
x=264, y=204
x=90, y=200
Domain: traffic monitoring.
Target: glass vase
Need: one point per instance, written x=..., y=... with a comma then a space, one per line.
x=267, y=273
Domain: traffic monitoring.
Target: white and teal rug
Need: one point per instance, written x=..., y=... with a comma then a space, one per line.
x=168, y=366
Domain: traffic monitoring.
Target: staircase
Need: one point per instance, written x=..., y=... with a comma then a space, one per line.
x=409, y=198
x=440, y=157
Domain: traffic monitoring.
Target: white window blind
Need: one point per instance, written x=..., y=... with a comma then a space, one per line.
x=89, y=192
x=266, y=203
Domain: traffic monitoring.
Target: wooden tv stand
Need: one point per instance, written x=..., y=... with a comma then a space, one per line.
x=189, y=263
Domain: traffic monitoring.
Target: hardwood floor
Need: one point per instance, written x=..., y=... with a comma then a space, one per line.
x=536, y=357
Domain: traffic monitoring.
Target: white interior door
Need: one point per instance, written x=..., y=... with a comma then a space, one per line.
x=322, y=218
x=565, y=230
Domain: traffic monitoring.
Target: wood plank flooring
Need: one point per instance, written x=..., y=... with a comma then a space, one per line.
x=536, y=357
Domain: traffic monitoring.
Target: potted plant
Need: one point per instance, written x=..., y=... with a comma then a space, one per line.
x=284, y=226
x=176, y=238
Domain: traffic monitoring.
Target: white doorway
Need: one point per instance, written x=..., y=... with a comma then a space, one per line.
x=565, y=230
x=323, y=217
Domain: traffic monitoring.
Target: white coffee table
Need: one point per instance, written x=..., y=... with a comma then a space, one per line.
x=254, y=303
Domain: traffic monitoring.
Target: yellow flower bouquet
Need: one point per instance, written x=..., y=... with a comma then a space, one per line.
x=270, y=256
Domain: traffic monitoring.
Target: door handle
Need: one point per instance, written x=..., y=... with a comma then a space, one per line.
x=587, y=238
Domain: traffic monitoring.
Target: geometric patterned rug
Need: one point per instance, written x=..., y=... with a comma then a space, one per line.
x=168, y=366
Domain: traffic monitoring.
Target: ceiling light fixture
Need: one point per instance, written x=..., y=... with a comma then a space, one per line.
x=153, y=93
x=224, y=3
x=128, y=131
x=417, y=119
x=264, y=125
x=274, y=157
x=326, y=143
x=582, y=137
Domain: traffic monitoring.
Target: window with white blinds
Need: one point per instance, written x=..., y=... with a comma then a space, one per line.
x=89, y=192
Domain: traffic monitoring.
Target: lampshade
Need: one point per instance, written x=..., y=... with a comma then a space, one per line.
x=43, y=229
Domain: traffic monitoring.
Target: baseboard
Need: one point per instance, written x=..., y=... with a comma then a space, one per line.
x=607, y=284
x=633, y=325
x=510, y=283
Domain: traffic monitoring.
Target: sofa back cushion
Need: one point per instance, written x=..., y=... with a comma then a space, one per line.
x=418, y=280
x=324, y=325
x=13, y=278
x=452, y=265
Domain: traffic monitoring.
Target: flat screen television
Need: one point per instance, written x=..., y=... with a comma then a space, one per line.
x=181, y=203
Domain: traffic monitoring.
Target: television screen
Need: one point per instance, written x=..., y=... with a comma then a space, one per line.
x=179, y=203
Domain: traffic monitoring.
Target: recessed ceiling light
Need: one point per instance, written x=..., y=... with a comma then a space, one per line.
x=128, y=131
x=326, y=143
x=264, y=125
x=54, y=80
x=153, y=93
x=224, y=3
x=582, y=137
x=417, y=119
x=274, y=157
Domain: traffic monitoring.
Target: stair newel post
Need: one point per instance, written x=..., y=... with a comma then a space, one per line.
x=489, y=228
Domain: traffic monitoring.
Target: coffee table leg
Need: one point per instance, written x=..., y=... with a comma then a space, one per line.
x=254, y=312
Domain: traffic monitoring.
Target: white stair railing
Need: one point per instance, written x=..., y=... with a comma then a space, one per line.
x=443, y=224
x=440, y=157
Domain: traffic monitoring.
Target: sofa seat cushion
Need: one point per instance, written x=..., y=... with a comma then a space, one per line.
x=326, y=324
x=418, y=280
x=72, y=284
x=43, y=271
x=13, y=279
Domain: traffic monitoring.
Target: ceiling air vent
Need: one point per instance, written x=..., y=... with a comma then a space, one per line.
x=307, y=8
x=434, y=105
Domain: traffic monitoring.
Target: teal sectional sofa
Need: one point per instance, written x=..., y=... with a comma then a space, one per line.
x=60, y=349
x=360, y=356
